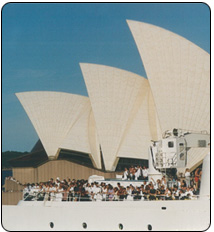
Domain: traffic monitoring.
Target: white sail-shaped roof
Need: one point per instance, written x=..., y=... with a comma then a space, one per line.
x=78, y=132
x=143, y=127
x=53, y=114
x=82, y=136
x=115, y=96
x=179, y=75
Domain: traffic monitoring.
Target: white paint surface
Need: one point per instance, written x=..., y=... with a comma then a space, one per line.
x=189, y=215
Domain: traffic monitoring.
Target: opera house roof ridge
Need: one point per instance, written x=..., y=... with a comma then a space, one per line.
x=113, y=67
x=130, y=21
x=48, y=91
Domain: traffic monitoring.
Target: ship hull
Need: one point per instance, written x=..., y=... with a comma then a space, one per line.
x=186, y=215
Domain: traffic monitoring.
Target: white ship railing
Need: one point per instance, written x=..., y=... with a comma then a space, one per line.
x=46, y=196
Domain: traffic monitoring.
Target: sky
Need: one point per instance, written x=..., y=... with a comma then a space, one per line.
x=43, y=44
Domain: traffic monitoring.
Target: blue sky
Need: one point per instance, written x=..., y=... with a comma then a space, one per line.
x=43, y=44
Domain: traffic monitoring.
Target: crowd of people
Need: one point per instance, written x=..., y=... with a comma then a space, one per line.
x=136, y=173
x=82, y=190
x=165, y=188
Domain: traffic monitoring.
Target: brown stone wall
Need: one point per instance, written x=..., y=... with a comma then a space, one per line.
x=11, y=198
x=11, y=185
x=57, y=168
x=25, y=175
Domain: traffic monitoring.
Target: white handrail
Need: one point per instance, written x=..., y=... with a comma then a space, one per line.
x=34, y=196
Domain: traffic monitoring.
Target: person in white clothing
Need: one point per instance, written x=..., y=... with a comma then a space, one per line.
x=145, y=173
x=59, y=193
x=57, y=181
x=182, y=195
x=96, y=191
x=189, y=193
x=26, y=191
x=168, y=194
x=129, y=194
x=156, y=184
x=88, y=187
x=142, y=190
x=163, y=181
x=138, y=173
x=52, y=191
x=104, y=192
x=116, y=194
x=126, y=174
x=187, y=177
